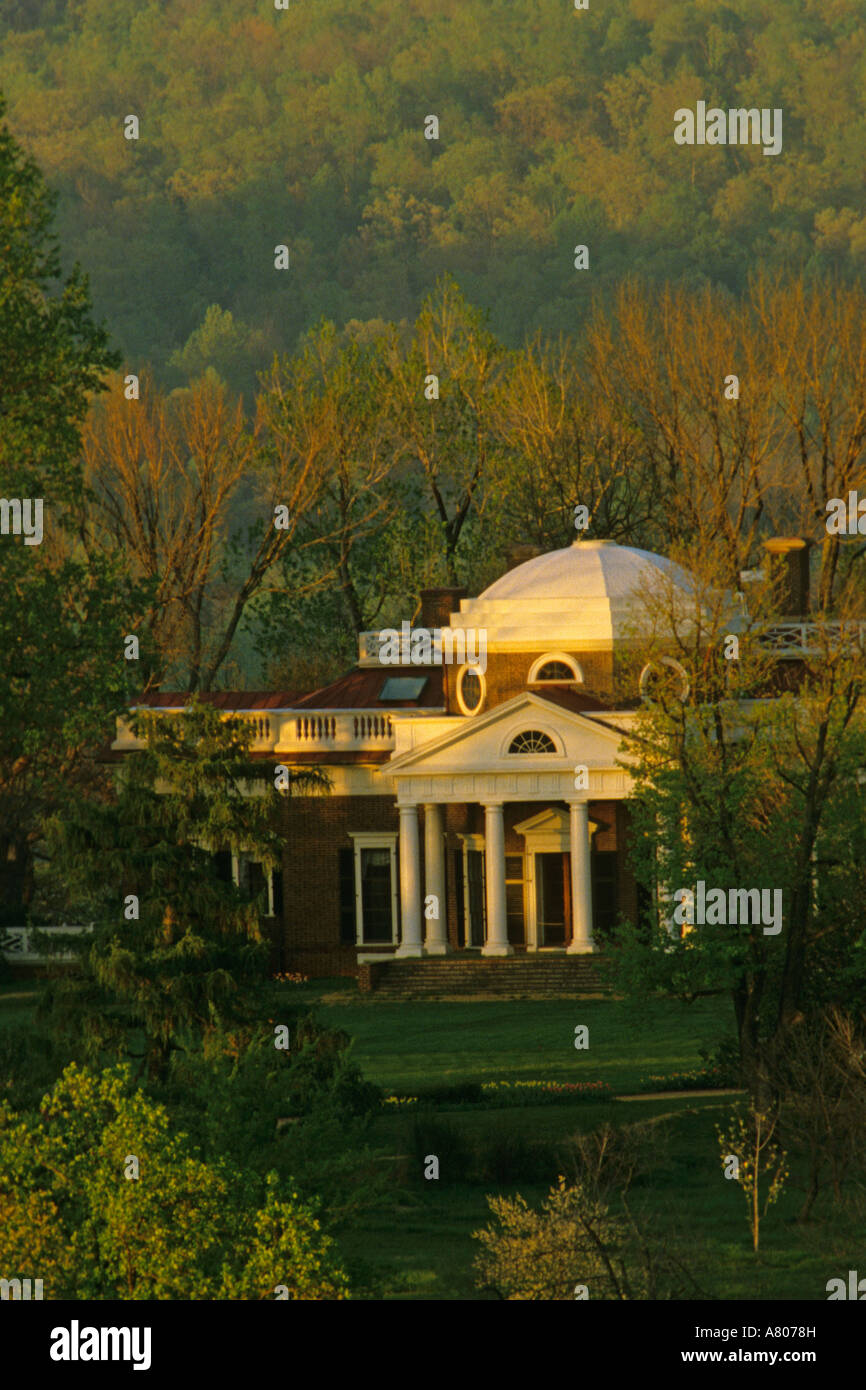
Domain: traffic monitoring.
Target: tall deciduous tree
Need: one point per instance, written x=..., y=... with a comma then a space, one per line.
x=746, y=786
x=167, y=476
x=447, y=427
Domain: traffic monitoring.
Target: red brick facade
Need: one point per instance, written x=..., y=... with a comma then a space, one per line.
x=315, y=829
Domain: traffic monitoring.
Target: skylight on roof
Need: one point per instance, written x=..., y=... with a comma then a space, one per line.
x=402, y=687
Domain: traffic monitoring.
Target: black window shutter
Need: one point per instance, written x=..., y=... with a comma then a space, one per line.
x=347, y=897
x=278, y=894
x=223, y=862
x=458, y=884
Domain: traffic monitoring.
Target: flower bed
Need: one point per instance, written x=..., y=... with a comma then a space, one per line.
x=703, y=1079
x=497, y=1094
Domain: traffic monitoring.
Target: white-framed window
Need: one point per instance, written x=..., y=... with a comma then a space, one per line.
x=471, y=689
x=377, y=921
x=532, y=741
x=251, y=877
x=652, y=671
x=555, y=668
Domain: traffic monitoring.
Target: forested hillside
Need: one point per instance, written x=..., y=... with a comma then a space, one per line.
x=306, y=126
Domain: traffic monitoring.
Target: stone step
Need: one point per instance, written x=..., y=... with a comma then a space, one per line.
x=411, y=979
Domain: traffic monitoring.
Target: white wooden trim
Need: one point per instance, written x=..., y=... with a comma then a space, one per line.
x=567, y=660
x=374, y=839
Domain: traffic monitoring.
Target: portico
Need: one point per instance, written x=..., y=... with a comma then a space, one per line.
x=423, y=920
x=474, y=766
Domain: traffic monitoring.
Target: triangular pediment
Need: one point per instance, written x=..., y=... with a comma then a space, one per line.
x=552, y=818
x=482, y=741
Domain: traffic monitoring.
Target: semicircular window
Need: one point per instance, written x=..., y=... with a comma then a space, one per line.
x=555, y=671
x=532, y=741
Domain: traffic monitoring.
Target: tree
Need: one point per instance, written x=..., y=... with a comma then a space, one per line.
x=664, y=360
x=748, y=787
x=327, y=402
x=64, y=613
x=54, y=355
x=167, y=476
x=572, y=1240
x=227, y=346
x=566, y=444
x=450, y=441
x=749, y=1142
x=818, y=1074
x=178, y=951
x=817, y=337
x=100, y=1196
x=575, y=1247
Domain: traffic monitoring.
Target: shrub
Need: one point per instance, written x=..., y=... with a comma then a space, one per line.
x=505, y=1156
x=544, y=1254
x=612, y=1156
x=723, y=1063
x=29, y=1065
x=447, y=1143
x=179, y=1228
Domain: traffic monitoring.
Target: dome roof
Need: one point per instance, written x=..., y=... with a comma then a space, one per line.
x=586, y=570
x=586, y=597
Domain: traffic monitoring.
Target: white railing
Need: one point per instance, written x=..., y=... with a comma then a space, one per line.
x=809, y=639
x=299, y=731
x=373, y=726
x=261, y=729
x=258, y=726
x=22, y=945
x=366, y=731
x=315, y=728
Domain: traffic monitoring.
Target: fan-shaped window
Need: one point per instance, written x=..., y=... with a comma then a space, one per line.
x=555, y=671
x=532, y=741
x=555, y=666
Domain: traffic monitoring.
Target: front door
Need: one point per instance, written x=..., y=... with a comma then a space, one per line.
x=475, y=897
x=553, y=898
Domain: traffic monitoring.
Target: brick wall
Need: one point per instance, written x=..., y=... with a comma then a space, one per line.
x=316, y=828
x=507, y=674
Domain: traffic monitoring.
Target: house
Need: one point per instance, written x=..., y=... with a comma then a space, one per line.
x=477, y=807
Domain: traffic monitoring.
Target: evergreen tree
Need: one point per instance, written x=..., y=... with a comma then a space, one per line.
x=178, y=951
x=64, y=611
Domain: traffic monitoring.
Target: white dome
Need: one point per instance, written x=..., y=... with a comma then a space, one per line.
x=586, y=570
x=587, y=596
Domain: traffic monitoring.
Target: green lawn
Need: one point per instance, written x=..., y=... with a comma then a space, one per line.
x=403, y=1045
x=418, y=1245
x=421, y=1246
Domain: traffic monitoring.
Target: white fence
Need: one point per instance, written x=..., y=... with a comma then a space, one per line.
x=33, y=945
x=803, y=639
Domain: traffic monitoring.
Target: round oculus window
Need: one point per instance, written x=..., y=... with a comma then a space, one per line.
x=470, y=689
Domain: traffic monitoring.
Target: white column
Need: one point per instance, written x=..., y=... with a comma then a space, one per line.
x=410, y=884
x=494, y=851
x=581, y=881
x=436, y=940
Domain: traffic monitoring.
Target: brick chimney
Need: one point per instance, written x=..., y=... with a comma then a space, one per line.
x=793, y=553
x=437, y=605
